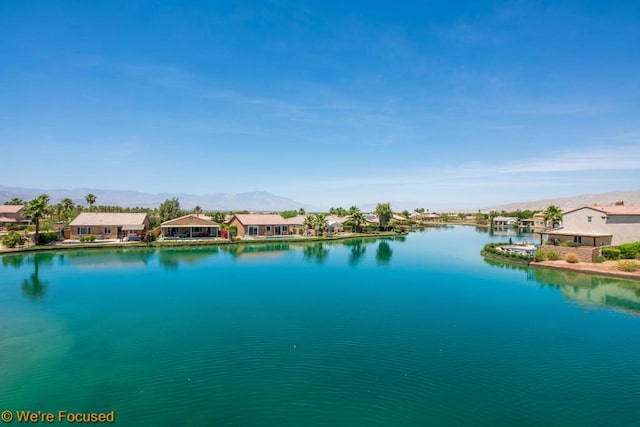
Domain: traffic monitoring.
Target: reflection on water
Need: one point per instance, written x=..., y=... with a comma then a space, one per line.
x=114, y=258
x=316, y=251
x=584, y=288
x=357, y=251
x=173, y=257
x=384, y=253
x=273, y=249
x=33, y=287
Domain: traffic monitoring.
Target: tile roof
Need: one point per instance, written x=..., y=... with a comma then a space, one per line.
x=191, y=220
x=260, y=219
x=5, y=209
x=611, y=210
x=296, y=220
x=104, y=218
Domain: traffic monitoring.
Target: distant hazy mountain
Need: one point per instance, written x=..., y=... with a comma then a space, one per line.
x=252, y=201
x=602, y=199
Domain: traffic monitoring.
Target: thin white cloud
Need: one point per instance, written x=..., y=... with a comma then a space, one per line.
x=621, y=157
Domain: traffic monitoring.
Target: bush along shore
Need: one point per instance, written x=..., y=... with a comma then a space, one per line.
x=194, y=243
x=491, y=251
x=610, y=263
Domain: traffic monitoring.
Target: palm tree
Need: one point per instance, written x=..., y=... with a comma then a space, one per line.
x=553, y=215
x=15, y=201
x=37, y=209
x=320, y=223
x=301, y=211
x=91, y=199
x=197, y=210
x=358, y=218
x=67, y=206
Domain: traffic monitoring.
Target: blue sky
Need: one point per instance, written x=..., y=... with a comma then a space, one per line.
x=437, y=104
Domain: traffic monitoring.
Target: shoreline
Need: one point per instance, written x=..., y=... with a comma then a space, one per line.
x=607, y=268
x=186, y=243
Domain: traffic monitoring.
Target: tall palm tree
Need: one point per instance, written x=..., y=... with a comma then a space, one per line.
x=301, y=211
x=320, y=223
x=358, y=218
x=197, y=210
x=68, y=206
x=553, y=215
x=91, y=199
x=309, y=222
x=37, y=209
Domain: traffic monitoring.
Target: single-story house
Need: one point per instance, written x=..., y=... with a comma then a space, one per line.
x=189, y=227
x=597, y=226
x=296, y=224
x=11, y=214
x=505, y=221
x=109, y=225
x=260, y=225
x=336, y=223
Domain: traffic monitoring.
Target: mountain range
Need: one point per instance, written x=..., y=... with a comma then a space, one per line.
x=631, y=197
x=251, y=201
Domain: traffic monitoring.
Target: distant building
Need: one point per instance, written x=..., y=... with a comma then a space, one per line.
x=505, y=221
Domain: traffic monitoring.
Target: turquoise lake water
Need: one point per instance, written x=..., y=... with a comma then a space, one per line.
x=400, y=332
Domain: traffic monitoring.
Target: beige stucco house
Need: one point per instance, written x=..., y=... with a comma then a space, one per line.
x=109, y=225
x=598, y=226
x=256, y=225
x=189, y=227
x=11, y=214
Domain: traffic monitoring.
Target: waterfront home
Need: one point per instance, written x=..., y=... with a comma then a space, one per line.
x=525, y=224
x=190, y=227
x=296, y=224
x=597, y=226
x=505, y=221
x=11, y=214
x=109, y=225
x=431, y=217
x=259, y=225
x=539, y=224
x=336, y=223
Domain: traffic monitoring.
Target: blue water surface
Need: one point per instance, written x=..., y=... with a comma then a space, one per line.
x=415, y=330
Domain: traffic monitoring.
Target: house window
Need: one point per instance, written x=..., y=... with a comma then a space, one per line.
x=84, y=230
x=577, y=239
x=107, y=230
x=197, y=229
x=588, y=219
x=268, y=228
x=285, y=228
x=252, y=230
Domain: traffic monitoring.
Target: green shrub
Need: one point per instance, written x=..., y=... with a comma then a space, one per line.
x=88, y=238
x=599, y=259
x=628, y=265
x=572, y=258
x=47, y=237
x=629, y=250
x=564, y=244
x=611, y=253
x=13, y=239
x=540, y=255
x=553, y=255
